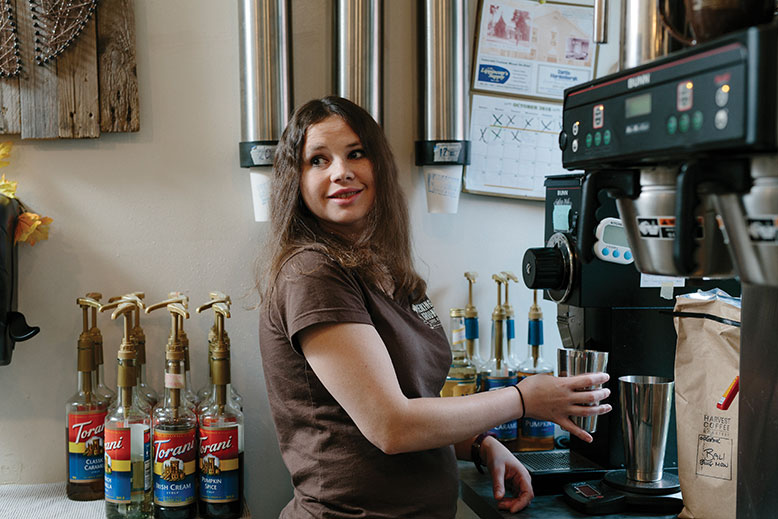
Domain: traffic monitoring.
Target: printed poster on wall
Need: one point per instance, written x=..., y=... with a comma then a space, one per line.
x=530, y=49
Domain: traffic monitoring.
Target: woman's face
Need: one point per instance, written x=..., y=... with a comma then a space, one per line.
x=337, y=178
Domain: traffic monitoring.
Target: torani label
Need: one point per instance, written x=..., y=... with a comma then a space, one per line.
x=219, y=464
x=175, y=458
x=85, y=446
x=509, y=430
x=125, y=476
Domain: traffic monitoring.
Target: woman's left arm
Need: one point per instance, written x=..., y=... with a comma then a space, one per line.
x=505, y=471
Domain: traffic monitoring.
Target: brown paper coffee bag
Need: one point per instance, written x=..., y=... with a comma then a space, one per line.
x=706, y=363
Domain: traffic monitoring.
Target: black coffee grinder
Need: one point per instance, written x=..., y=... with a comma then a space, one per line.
x=604, y=304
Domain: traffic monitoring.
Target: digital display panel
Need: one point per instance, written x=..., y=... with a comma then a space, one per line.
x=587, y=491
x=637, y=105
x=561, y=217
x=615, y=235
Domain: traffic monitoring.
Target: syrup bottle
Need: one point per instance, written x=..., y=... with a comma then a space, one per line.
x=221, y=434
x=535, y=435
x=498, y=373
x=85, y=414
x=98, y=380
x=127, y=434
x=174, y=426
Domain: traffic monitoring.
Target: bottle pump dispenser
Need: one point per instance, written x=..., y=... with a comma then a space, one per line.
x=108, y=394
x=206, y=392
x=497, y=373
x=221, y=434
x=510, y=321
x=471, y=324
x=179, y=297
x=175, y=429
x=85, y=414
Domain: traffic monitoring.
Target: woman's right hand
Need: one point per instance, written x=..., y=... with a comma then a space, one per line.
x=556, y=399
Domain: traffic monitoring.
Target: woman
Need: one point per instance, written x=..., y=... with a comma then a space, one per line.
x=353, y=352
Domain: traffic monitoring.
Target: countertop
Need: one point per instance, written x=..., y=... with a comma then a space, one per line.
x=49, y=500
x=476, y=492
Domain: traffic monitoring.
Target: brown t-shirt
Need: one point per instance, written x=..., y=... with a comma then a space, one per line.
x=336, y=471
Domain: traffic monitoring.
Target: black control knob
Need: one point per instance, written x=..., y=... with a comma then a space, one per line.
x=563, y=140
x=544, y=268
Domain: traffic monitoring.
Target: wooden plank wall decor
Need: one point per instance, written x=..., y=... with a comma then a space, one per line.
x=89, y=87
x=116, y=64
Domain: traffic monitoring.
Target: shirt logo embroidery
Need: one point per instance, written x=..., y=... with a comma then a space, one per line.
x=426, y=313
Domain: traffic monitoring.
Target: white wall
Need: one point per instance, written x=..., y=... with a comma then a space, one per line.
x=169, y=209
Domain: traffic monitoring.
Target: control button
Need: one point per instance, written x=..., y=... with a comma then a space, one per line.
x=597, y=138
x=606, y=251
x=627, y=255
x=588, y=140
x=683, y=123
x=563, y=140
x=574, y=146
x=672, y=125
x=576, y=127
x=598, y=117
x=606, y=137
x=697, y=120
x=684, y=96
x=721, y=119
x=722, y=96
x=616, y=253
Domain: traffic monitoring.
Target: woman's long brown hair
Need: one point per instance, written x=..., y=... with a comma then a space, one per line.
x=382, y=248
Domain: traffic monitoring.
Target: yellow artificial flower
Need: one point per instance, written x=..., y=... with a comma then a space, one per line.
x=25, y=226
x=32, y=228
x=5, y=152
x=8, y=187
x=41, y=231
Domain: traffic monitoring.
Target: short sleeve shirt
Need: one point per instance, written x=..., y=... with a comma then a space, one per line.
x=336, y=471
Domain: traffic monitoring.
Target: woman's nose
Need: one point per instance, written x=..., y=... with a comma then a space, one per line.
x=341, y=170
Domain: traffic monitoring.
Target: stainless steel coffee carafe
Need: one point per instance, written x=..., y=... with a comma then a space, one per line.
x=650, y=223
x=750, y=223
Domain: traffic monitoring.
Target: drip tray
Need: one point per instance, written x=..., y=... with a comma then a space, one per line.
x=553, y=469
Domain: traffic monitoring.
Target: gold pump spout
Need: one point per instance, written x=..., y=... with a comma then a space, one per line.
x=470, y=310
x=508, y=276
x=86, y=353
x=127, y=355
x=220, y=354
x=499, y=311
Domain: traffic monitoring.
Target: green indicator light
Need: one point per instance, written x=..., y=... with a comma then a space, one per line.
x=588, y=140
x=597, y=138
x=672, y=125
x=697, y=120
x=683, y=123
x=606, y=137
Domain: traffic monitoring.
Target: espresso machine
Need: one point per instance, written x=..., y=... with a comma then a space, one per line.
x=687, y=148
